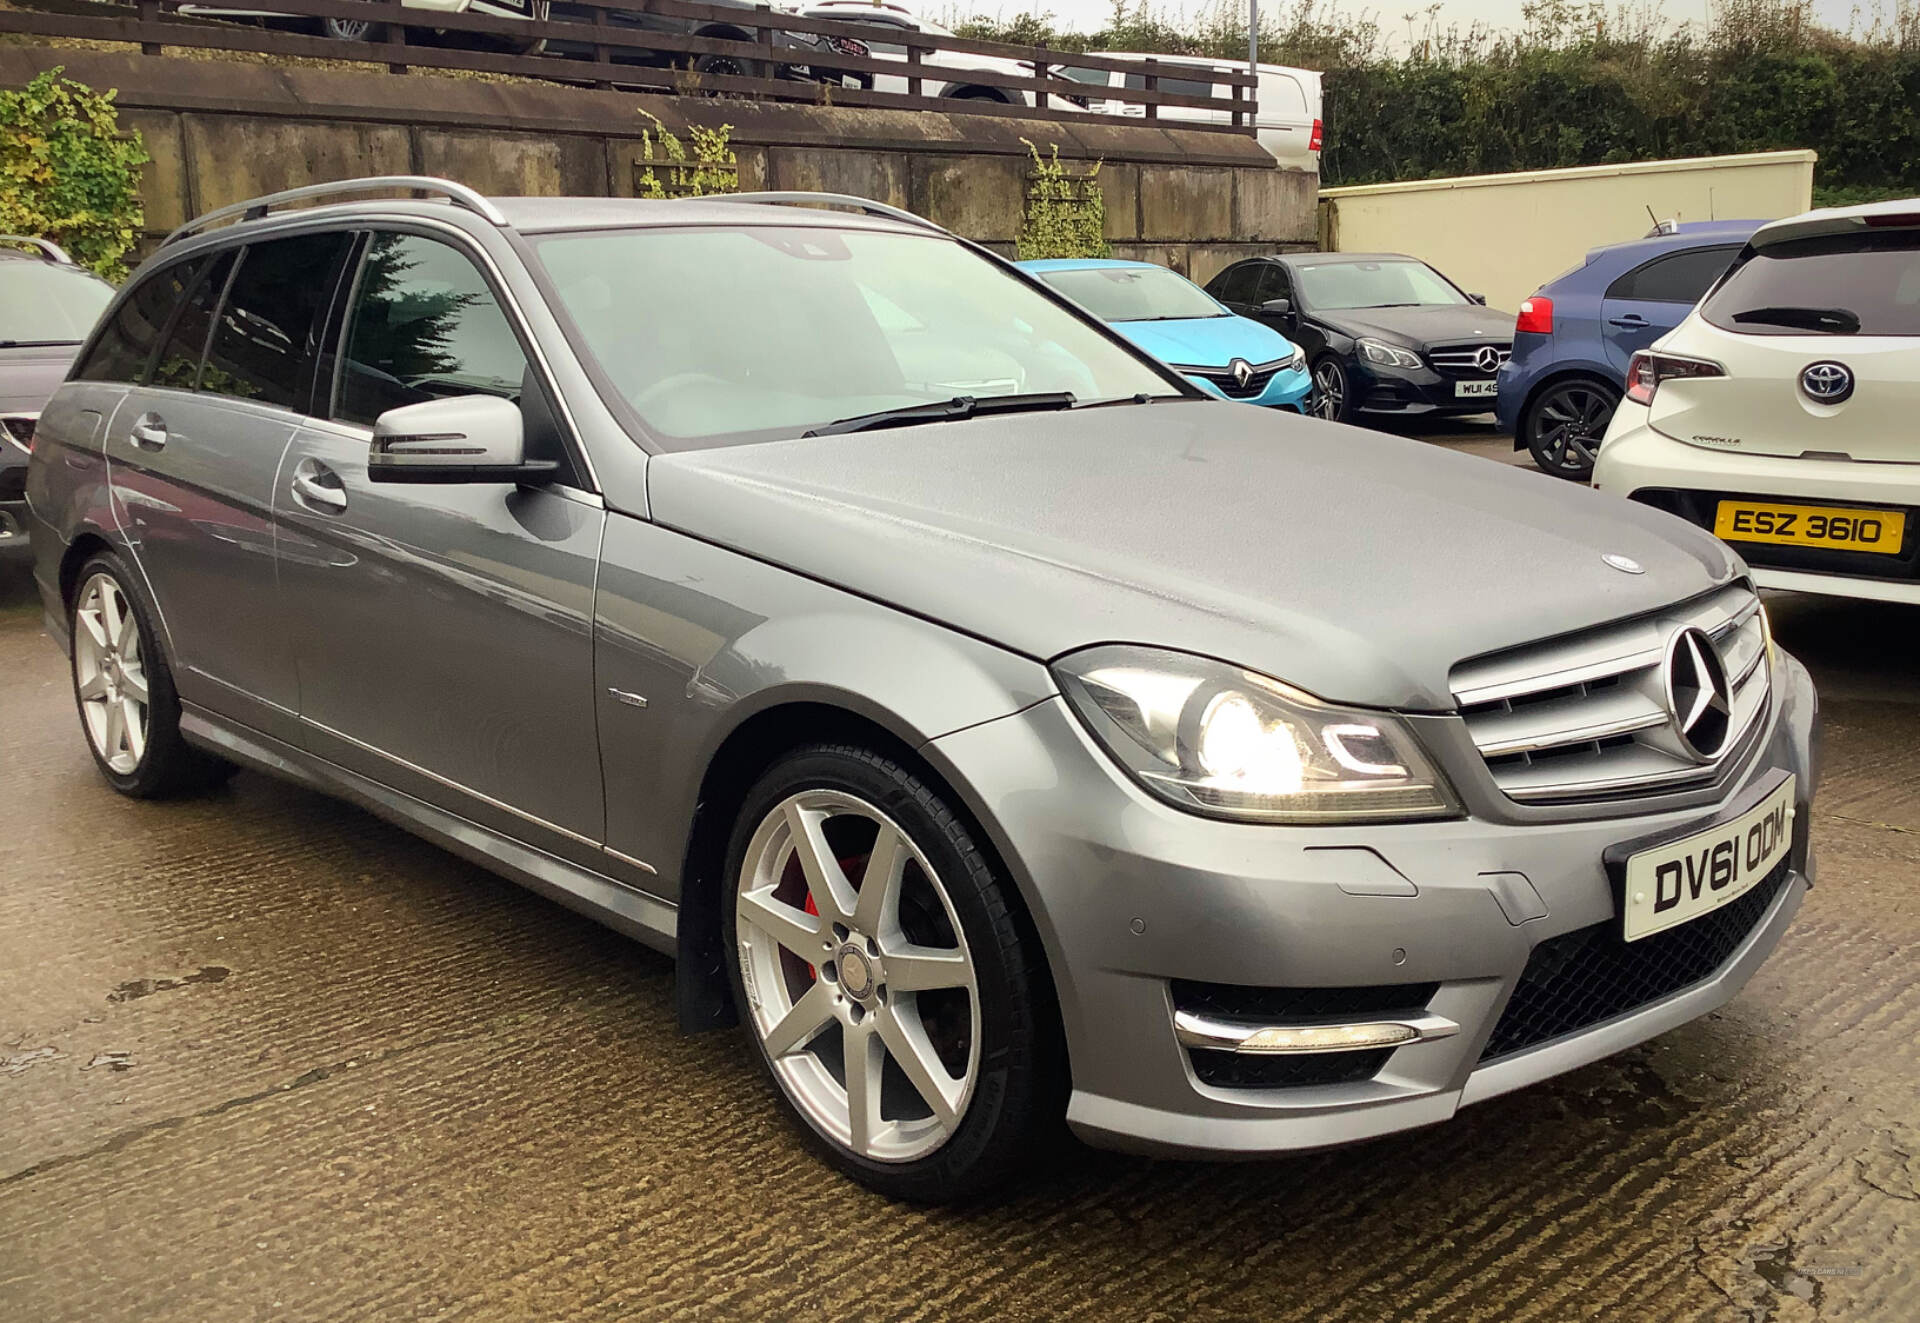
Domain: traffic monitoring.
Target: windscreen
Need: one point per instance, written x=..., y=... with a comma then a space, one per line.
x=1860, y=283
x=713, y=335
x=41, y=303
x=1134, y=294
x=1401, y=283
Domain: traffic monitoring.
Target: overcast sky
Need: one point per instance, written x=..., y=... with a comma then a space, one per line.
x=1087, y=15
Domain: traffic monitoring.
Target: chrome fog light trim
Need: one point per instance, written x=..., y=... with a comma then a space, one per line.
x=1264, y=1040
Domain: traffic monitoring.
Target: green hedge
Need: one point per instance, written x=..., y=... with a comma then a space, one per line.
x=1579, y=85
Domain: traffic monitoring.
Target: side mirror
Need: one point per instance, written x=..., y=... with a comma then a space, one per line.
x=1278, y=307
x=1480, y=299
x=462, y=438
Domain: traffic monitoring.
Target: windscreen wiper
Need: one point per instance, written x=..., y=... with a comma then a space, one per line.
x=1834, y=321
x=946, y=411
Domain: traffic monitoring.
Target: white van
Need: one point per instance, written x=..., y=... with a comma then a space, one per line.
x=1287, y=120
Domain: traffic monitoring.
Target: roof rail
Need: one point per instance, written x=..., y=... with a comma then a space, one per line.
x=458, y=194
x=867, y=205
x=53, y=250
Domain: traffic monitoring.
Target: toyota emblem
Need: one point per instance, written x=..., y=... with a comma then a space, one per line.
x=1827, y=382
x=1699, y=699
x=1241, y=372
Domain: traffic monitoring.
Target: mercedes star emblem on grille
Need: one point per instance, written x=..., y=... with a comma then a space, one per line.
x=1698, y=695
x=1827, y=382
x=1242, y=372
x=1486, y=358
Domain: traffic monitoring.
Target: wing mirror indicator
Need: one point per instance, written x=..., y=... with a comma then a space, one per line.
x=462, y=438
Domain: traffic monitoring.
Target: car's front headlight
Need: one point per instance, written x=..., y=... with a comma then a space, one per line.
x=1298, y=363
x=1379, y=351
x=1215, y=739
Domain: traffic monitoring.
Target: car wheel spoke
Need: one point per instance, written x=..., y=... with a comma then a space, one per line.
x=924, y=968
x=796, y=930
x=803, y=1022
x=865, y=1061
x=908, y=1046
x=94, y=687
x=133, y=717
x=832, y=894
x=878, y=906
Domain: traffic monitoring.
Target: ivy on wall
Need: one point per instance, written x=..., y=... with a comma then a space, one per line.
x=667, y=170
x=69, y=173
x=1066, y=214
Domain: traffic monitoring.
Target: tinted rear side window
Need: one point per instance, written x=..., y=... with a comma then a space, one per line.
x=1175, y=86
x=128, y=341
x=1237, y=285
x=1675, y=278
x=264, y=341
x=1864, y=283
x=179, y=363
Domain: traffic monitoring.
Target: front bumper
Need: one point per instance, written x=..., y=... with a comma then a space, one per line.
x=1648, y=466
x=1130, y=895
x=1378, y=388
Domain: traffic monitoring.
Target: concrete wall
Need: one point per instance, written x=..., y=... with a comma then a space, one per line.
x=223, y=131
x=1506, y=235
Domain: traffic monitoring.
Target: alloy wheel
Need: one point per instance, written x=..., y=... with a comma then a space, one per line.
x=1329, y=391
x=109, y=659
x=860, y=986
x=1566, y=427
x=349, y=29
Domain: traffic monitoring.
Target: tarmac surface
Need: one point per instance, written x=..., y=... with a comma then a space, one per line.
x=263, y=1056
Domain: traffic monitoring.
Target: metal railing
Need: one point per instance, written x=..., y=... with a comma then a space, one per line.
x=689, y=49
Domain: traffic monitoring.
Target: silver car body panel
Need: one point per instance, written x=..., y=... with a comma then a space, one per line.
x=540, y=679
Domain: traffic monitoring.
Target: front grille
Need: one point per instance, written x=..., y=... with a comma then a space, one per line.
x=1290, y=1070
x=1465, y=360
x=1232, y=389
x=1579, y=979
x=1586, y=717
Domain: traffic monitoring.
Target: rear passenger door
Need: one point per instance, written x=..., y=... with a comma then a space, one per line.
x=1285, y=125
x=1653, y=298
x=442, y=634
x=193, y=453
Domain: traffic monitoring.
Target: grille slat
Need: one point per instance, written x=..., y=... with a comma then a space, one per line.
x=1587, y=717
x=1256, y=383
x=1582, y=978
x=1464, y=360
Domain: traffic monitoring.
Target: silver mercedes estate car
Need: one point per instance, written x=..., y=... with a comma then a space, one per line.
x=998, y=729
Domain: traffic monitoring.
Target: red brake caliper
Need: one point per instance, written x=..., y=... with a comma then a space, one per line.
x=812, y=909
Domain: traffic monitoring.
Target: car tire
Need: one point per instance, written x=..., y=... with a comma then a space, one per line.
x=1563, y=425
x=728, y=66
x=818, y=994
x=1331, y=398
x=123, y=689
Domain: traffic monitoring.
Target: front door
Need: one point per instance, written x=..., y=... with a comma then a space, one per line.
x=443, y=633
x=193, y=454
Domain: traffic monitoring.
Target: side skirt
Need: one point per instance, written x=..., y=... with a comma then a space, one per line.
x=646, y=919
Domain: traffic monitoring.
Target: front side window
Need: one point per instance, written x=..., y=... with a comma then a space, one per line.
x=129, y=339
x=264, y=338
x=48, y=303
x=1861, y=283
x=714, y=334
x=1675, y=278
x=1389, y=283
x=1134, y=294
x=424, y=324
x=1238, y=284
x=1273, y=284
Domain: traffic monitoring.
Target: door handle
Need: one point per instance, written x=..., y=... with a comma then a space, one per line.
x=149, y=432
x=1633, y=321
x=318, y=487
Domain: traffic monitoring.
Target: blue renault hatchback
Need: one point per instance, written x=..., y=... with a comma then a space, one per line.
x=1186, y=328
x=1573, y=338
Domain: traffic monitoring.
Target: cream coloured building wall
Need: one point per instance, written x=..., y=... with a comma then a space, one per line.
x=1506, y=235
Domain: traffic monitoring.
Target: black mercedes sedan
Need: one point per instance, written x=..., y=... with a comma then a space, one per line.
x=1384, y=333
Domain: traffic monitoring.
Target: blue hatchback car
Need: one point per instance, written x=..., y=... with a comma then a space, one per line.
x=1186, y=328
x=1573, y=338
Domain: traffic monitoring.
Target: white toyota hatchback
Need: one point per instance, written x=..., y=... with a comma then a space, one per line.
x=1784, y=413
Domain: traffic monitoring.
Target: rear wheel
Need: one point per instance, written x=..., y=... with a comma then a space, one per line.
x=123, y=687
x=352, y=29
x=1564, y=424
x=883, y=978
